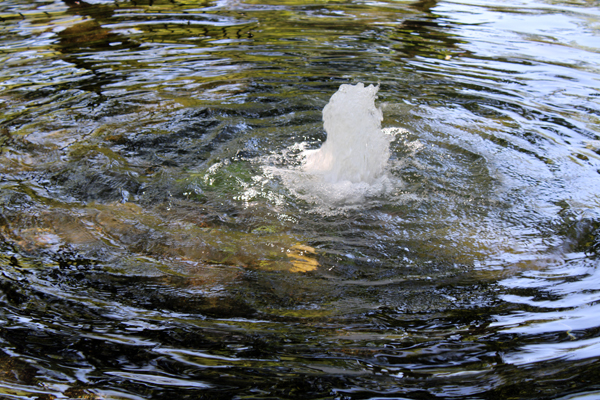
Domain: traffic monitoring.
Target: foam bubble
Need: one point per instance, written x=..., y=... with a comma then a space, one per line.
x=350, y=167
x=356, y=149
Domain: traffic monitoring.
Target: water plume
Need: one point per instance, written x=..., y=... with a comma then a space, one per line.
x=356, y=149
x=350, y=166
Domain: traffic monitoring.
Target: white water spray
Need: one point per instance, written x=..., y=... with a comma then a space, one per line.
x=356, y=149
x=351, y=164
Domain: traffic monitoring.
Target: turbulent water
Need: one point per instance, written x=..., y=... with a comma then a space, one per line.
x=169, y=228
x=350, y=166
x=356, y=149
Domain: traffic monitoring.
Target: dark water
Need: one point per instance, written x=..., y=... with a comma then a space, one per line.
x=151, y=249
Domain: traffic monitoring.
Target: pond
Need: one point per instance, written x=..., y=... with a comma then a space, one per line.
x=162, y=237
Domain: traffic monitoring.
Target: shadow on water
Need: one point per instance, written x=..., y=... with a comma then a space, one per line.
x=80, y=40
x=424, y=5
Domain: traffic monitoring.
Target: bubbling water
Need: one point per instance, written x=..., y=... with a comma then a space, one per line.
x=356, y=149
x=351, y=164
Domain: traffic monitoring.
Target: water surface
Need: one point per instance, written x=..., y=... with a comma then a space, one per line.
x=153, y=245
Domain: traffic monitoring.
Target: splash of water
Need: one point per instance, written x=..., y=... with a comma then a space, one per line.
x=351, y=164
x=356, y=149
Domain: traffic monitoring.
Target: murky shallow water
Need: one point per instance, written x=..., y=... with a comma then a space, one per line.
x=152, y=246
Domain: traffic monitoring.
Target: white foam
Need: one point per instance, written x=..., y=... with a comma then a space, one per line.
x=350, y=170
x=356, y=149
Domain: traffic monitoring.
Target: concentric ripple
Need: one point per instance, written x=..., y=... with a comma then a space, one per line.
x=158, y=241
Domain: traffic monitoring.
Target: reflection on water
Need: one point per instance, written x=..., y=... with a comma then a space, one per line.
x=152, y=246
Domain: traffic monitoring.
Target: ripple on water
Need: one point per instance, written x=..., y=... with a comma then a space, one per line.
x=159, y=237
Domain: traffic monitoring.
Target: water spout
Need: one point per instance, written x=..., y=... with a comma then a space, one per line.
x=356, y=149
x=351, y=166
